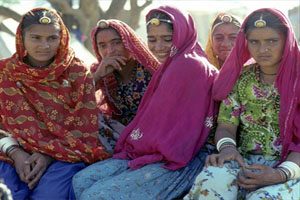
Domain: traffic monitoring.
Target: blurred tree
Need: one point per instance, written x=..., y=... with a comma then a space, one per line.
x=81, y=16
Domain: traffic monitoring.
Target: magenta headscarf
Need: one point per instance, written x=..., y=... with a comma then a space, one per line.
x=287, y=82
x=177, y=110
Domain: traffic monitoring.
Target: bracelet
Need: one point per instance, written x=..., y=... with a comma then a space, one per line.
x=291, y=168
x=10, y=149
x=7, y=142
x=224, y=145
x=225, y=140
x=283, y=174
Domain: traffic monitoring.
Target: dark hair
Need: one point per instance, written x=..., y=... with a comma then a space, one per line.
x=272, y=21
x=160, y=15
x=33, y=17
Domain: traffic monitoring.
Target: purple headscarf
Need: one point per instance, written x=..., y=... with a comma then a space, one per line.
x=176, y=112
x=287, y=82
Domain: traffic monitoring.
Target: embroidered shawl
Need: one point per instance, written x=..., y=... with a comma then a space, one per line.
x=287, y=82
x=51, y=110
x=107, y=86
x=176, y=112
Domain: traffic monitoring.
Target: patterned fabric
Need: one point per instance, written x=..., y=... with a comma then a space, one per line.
x=209, y=185
x=108, y=85
x=175, y=116
x=51, y=110
x=112, y=179
x=129, y=95
x=287, y=81
x=253, y=106
x=126, y=97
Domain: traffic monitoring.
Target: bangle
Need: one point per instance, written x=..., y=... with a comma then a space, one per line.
x=291, y=168
x=224, y=145
x=284, y=175
x=6, y=143
x=10, y=149
x=223, y=141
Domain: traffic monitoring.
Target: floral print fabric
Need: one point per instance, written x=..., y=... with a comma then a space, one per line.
x=210, y=185
x=127, y=97
x=254, y=107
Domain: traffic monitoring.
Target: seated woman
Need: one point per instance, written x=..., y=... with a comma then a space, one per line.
x=48, y=111
x=158, y=154
x=121, y=74
x=221, y=38
x=261, y=160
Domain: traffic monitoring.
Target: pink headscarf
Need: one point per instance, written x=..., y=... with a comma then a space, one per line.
x=287, y=82
x=177, y=110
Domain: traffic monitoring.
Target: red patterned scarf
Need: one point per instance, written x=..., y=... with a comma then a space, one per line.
x=51, y=110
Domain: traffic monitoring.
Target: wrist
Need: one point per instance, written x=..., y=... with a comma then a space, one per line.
x=14, y=152
x=225, y=141
x=227, y=146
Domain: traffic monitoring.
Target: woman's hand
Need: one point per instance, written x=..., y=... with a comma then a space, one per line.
x=256, y=176
x=39, y=163
x=19, y=156
x=108, y=65
x=227, y=154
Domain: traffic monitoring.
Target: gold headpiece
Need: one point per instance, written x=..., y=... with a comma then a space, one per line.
x=260, y=23
x=102, y=24
x=156, y=21
x=44, y=19
x=226, y=19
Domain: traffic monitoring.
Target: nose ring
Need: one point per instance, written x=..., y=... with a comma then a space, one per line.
x=267, y=49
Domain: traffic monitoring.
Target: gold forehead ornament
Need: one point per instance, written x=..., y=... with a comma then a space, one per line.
x=44, y=19
x=226, y=19
x=260, y=23
x=102, y=24
x=156, y=21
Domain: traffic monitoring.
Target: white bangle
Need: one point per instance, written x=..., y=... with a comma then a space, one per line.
x=225, y=140
x=293, y=169
x=7, y=142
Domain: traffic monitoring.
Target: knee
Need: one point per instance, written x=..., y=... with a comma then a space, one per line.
x=77, y=178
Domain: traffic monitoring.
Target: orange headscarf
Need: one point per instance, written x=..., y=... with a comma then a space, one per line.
x=51, y=110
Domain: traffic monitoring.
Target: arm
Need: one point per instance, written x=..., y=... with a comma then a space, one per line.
x=227, y=151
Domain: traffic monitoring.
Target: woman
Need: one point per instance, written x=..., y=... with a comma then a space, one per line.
x=122, y=74
x=261, y=160
x=48, y=111
x=221, y=38
x=157, y=155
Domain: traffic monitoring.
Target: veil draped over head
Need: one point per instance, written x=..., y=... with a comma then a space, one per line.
x=176, y=112
x=50, y=110
x=287, y=81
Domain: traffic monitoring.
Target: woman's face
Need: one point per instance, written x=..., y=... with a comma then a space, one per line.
x=110, y=44
x=41, y=43
x=266, y=46
x=223, y=38
x=160, y=41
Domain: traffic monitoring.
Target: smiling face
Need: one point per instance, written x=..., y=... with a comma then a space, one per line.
x=266, y=46
x=41, y=43
x=160, y=40
x=223, y=38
